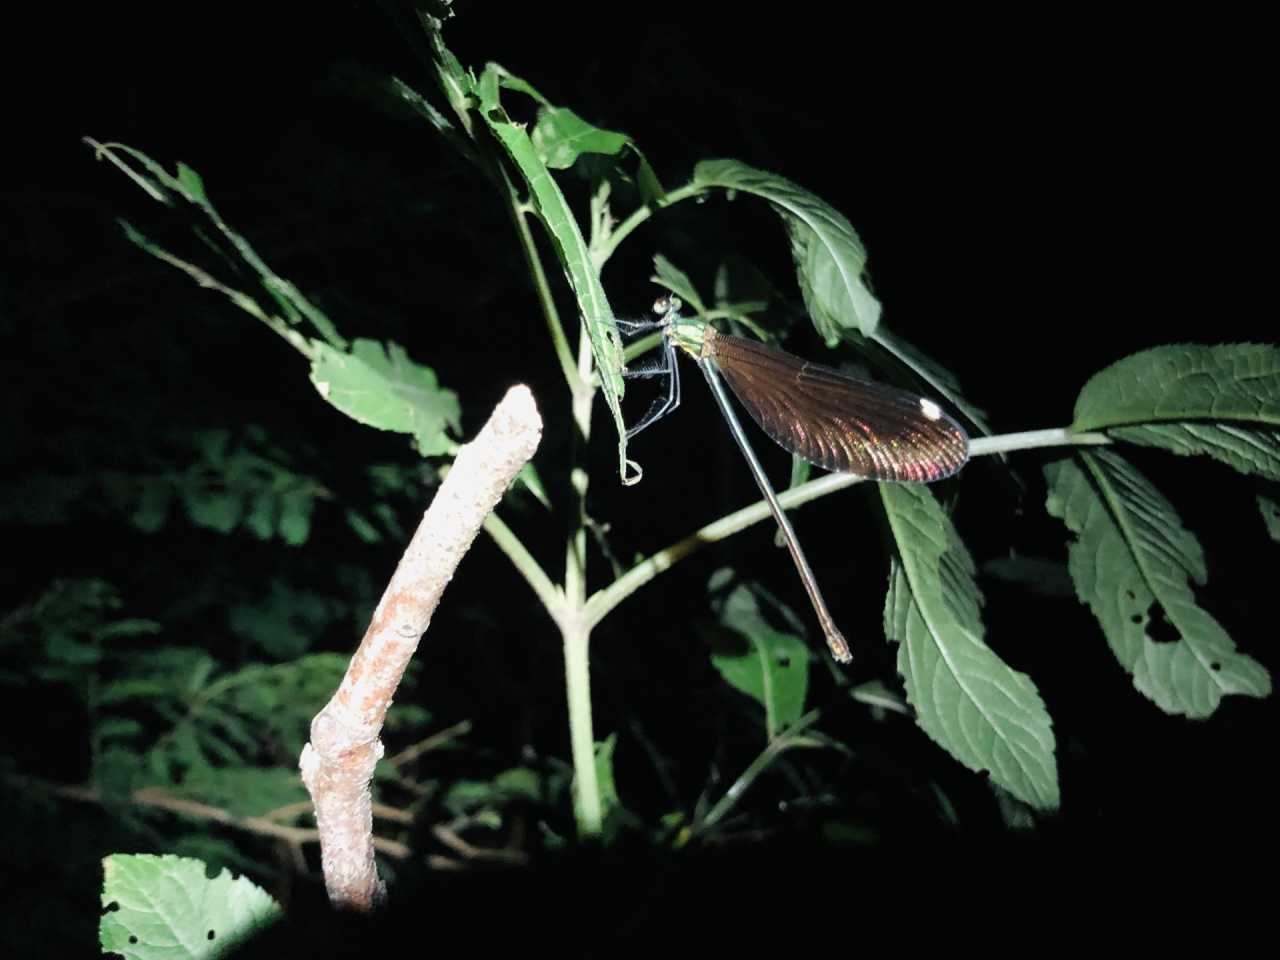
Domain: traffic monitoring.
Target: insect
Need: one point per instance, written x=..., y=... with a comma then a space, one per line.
x=837, y=422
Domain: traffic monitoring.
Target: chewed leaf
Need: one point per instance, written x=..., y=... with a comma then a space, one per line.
x=772, y=667
x=1131, y=562
x=167, y=907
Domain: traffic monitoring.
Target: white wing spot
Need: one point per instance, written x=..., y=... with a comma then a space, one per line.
x=930, y=409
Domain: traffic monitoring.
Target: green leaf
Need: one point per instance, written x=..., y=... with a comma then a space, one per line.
x=773, y=669
x=1222, y=401
x=528, y=478
x=192, y=183
x=985, y=714
x=381, y=387
x=609, y=800
x=296, y=507
x=1131, y=561
x=616, y=816
x=829, y=257
x=571, y=248
x=560, y=136
x=520, y=782
x=218, y=510
x=1270, y=516
x=261, y=519
x=165, y=908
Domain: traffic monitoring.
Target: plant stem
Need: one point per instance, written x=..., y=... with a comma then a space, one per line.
x=1030, y=439
x=758, y=766
x=548, y=592
x=558, y=340
x=575, y=630
x=577, y=675
x=603, y=601
x=605, y=250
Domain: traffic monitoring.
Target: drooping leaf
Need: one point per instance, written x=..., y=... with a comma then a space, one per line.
x=165, y=908
x=985, y=714
x=829, y=257
x=575, y=258
x=1131, y=562
x=1221, y=401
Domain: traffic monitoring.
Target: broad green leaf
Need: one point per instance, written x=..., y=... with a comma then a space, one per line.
x=575, y=257
x=1270, y=516
x=380, y=386
x=1131, y=561
x=830, y=259
x=773, y=669
x=1222, y=401
x=985, y=714
x=165, y=908
x=561, y=136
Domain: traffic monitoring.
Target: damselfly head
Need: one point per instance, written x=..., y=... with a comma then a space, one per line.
x=666, y=305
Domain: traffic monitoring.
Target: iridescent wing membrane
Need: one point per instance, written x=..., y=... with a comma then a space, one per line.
x=839, y=423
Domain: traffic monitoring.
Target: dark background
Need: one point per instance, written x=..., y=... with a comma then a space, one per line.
x=1040, y=197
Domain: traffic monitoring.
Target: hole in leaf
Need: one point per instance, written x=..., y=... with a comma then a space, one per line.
x=132, y=938
x=209, y=935
x=111, y=907
x=1159, y=629
x=784, y=661
x=1215, y=666
x=1136, y=618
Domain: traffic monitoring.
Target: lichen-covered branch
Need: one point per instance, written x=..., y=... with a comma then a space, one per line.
x=337, y=765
